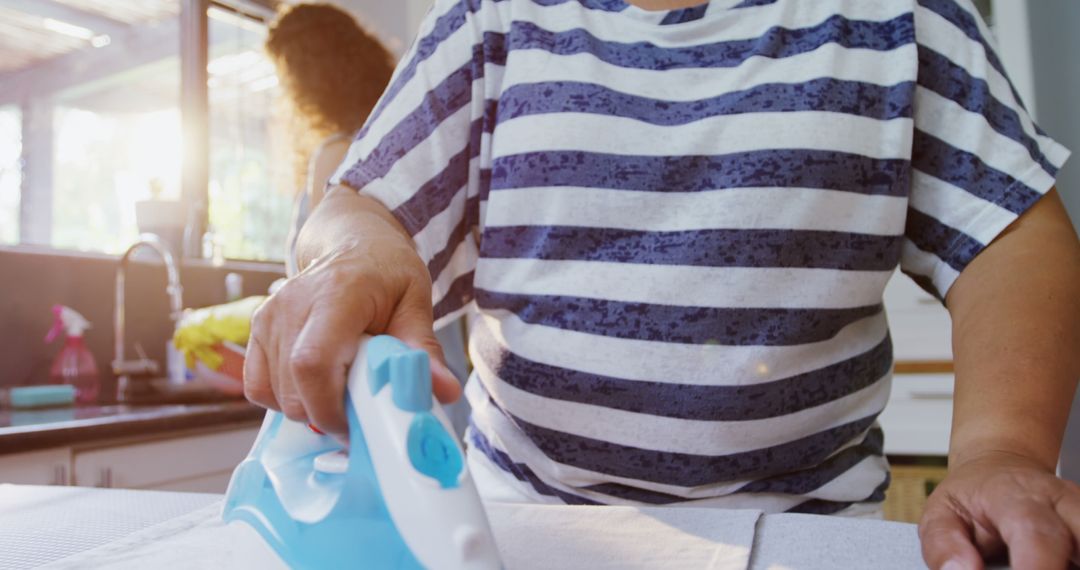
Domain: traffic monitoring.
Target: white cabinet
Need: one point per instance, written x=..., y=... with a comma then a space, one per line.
x=200, y=462
x=918, y=419
x=195, y=462
x=46, y=467
x=920, y=326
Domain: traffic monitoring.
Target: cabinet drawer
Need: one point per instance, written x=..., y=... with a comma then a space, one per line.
x=45, y=467
x=211, y=483
x=920, y=326
x=918, y=418
x=156, y=463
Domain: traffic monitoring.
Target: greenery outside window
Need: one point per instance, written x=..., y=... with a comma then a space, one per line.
x=250, y=191
x=114, y=143
x=91, y=115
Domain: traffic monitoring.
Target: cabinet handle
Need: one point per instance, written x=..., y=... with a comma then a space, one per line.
x=59, y=475
x=105, y=478
x=929, y=395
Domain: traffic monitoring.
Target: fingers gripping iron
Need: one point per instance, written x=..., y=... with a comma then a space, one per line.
x=400, y=496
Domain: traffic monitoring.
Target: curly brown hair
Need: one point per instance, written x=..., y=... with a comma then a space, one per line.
x=332, y=69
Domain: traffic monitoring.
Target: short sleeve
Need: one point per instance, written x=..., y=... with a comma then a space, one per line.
x=419, y=151
x=978, y=160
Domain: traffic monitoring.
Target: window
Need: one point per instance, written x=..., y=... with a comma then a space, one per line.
x=114, y=142
x=251, y=183
x=10, y=173
x=95, y=89
x=97, y=86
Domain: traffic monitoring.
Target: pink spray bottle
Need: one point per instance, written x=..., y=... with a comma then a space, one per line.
x=75, y=363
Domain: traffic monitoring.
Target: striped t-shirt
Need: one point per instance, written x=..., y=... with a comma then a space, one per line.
x=673, y=229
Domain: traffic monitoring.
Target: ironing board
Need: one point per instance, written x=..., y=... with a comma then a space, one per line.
x=69, y=527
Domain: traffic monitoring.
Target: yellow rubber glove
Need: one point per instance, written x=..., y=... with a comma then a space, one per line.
x=201, y=330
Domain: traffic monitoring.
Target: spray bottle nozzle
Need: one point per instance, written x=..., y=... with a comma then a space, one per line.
x=68, y=320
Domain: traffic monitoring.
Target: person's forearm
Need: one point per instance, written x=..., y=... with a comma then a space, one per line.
x=344, y=218
x=1016, y=340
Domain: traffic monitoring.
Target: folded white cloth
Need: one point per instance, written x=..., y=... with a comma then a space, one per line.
x=529, y=536
x=551, y=536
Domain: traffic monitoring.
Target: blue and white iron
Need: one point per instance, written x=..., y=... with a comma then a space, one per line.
x=401, y=497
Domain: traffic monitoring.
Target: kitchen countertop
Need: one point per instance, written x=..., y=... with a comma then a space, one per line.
x=29, y=430
x=68, y=528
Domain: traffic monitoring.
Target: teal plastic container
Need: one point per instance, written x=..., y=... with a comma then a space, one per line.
x=39, y=396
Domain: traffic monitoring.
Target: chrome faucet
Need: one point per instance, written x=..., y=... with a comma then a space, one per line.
x=124, y=369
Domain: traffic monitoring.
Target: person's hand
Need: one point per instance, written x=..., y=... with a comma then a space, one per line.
x=305, y=336
x=996, y=501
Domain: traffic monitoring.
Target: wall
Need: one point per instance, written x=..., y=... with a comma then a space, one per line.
x=32, y=281
x=395, y=22
x=1055, y=46
x=1012, y=30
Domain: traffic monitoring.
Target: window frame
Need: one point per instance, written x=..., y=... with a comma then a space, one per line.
x=195, y=106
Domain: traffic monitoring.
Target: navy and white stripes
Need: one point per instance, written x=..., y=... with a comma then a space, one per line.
x=674, y=229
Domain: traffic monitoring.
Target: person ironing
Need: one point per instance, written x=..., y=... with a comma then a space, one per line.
x=672, y=224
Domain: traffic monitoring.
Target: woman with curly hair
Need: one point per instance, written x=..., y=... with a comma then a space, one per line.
x=333, y=72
